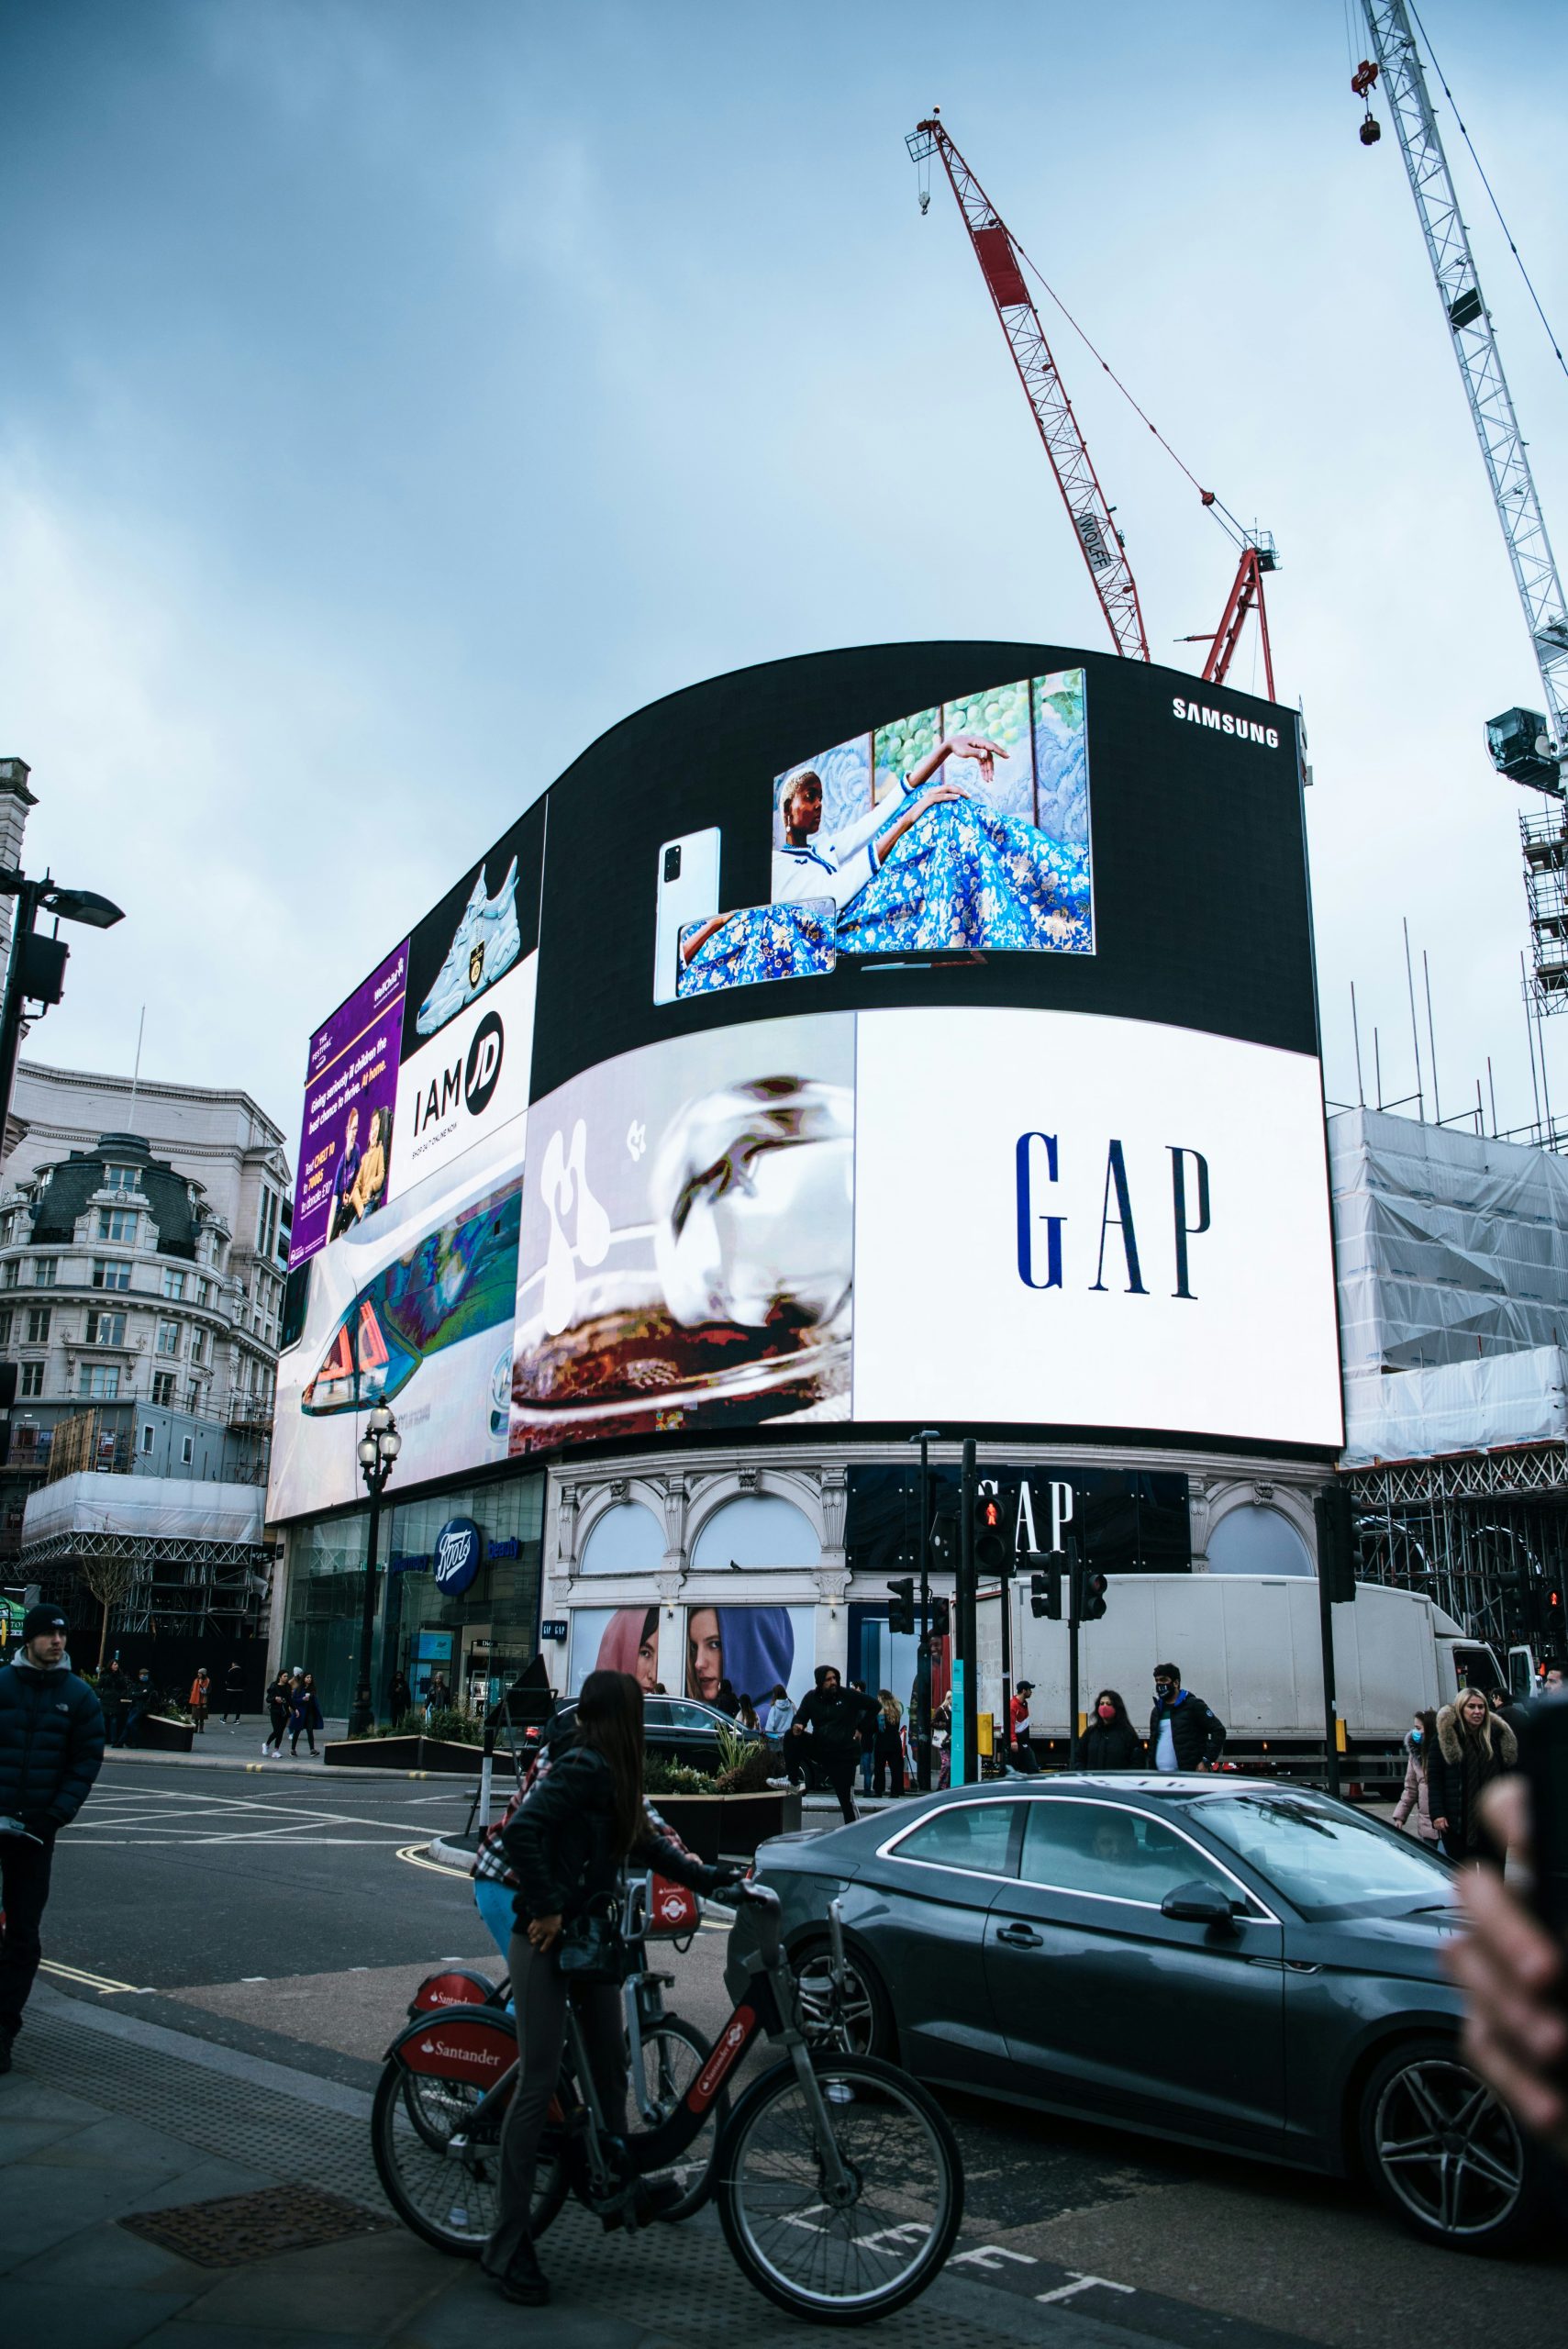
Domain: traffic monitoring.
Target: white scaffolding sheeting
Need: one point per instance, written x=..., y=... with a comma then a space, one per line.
x=147, y=1508
x=1452, y=1254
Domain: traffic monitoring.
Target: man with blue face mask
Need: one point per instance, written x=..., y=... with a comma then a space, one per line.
x=1184, y=1733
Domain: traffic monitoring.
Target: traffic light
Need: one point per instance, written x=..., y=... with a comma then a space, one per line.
x=1045, y=1589
x=1088, y=1595
x=901, y=1605
x=941, y=1619
x=1547, y=1612
x=993, y=1550
x=945, y=1527
x=1338, y=1548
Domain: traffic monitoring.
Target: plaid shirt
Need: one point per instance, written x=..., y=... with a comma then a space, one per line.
x=490, y=1863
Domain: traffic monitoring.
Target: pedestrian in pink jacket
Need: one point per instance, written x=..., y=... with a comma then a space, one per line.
x=1420, y=1745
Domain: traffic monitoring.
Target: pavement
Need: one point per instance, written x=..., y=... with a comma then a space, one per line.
x=227, y=1956
x=109, y=2119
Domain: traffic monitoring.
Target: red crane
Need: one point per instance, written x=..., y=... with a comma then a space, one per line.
x=1103, y=549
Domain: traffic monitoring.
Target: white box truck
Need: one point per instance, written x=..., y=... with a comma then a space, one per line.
x=1251, y=1646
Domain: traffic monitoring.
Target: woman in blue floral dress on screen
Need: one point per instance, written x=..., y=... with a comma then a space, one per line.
x=945, y=871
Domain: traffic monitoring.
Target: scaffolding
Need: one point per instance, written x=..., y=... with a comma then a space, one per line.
x=1485, y=1534
x=1545, y=844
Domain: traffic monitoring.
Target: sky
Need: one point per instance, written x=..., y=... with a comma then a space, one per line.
x=398, y=393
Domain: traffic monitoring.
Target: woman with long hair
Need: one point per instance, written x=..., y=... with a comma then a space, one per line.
x=887, y=1744
x=1474, y=1746
x=1110, y=1742
x=566, y=1843
x=1421, y=1747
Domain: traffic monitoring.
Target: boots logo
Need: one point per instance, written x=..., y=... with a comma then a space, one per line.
x=455, y=1560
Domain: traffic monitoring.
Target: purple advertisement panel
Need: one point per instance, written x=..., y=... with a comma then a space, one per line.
x=345, y=1147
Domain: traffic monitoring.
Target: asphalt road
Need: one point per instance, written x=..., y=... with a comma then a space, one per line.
x=284, y=1912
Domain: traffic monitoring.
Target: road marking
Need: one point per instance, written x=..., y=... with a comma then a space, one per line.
x=1083, y=2284
x=90, y=1981
x=990, y=2255
x=414, y=1853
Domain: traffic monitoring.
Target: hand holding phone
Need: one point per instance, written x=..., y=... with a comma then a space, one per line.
x=1512, y=1963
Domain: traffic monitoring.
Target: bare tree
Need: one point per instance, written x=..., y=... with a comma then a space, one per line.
x=108, y=1579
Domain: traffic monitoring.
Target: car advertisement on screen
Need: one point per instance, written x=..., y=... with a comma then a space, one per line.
x=413, y=1310
x=350, y=1103
x=468, y=1081
x=1123, y=1223
x=960, y=826
x=688, y=1237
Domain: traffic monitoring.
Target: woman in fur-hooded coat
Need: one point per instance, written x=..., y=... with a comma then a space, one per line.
x=1474, y=1746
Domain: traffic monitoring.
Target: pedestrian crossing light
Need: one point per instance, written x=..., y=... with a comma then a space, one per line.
x=901, y=1605
x=992, y=1550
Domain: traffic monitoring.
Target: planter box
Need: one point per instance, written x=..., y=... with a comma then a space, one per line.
x=156, y=1733
x=729, y=1826
x=413, y=1752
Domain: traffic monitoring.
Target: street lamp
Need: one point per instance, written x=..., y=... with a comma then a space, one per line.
x=36, y=973
x=378, y=1450
x=923, y=1664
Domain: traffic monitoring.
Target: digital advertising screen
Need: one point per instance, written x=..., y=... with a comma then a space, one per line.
x=925, y=1034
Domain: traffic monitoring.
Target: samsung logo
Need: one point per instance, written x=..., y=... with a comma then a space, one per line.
x=1246, y=729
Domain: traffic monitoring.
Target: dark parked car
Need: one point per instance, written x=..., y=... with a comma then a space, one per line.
x=678, y=1729
x=1221, y=1960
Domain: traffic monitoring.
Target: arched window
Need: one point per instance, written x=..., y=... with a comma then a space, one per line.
x=1257, y=1540
x=627, y=1540
x=757, y=1530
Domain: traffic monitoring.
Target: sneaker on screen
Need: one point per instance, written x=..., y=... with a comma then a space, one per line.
x=486, y=943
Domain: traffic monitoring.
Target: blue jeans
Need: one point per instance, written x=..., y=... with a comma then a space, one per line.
x=494, y=1902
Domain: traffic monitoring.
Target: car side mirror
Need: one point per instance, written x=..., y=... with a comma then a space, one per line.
x=1198, y=1903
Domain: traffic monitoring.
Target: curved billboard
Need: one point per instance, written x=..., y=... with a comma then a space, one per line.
x=924, y=1033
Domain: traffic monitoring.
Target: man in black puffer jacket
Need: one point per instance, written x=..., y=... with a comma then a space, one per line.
x=51, y=1746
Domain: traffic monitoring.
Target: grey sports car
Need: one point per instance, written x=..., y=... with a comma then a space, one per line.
x=1218, y=1959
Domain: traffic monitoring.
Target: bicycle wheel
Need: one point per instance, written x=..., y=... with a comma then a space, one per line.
x=674, y=2053
x=840, y=2256
x=449, y=2199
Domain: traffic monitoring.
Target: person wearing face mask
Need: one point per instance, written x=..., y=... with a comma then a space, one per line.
x=1183, y=1733
x=1110, y=1742
x=1420, y=1744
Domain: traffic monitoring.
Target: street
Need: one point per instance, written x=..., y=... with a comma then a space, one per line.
x=288, y=1918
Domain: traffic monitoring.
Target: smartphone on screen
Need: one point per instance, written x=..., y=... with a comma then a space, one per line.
x=687, y=885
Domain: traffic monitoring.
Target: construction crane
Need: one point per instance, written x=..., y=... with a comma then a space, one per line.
x=1002, y=262
x=1529, y=746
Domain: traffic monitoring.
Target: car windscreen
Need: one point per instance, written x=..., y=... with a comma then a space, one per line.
x=1325, y=1860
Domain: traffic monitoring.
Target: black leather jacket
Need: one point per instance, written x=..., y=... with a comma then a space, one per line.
x=560, y=1841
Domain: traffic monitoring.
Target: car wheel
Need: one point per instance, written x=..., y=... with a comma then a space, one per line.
x=863, y=2024
x=1444, y=2153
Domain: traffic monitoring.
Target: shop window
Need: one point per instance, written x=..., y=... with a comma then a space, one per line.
x=1257, y=1540
x=758, y=1529
x=627, y=1540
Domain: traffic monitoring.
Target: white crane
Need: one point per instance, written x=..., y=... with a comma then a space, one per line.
x=1529, y=746
x=1525, y=746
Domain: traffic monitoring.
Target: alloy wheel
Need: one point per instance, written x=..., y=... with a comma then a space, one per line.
x=1447, y=2149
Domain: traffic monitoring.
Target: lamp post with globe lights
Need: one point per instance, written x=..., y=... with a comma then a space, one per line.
x=378, y=1449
